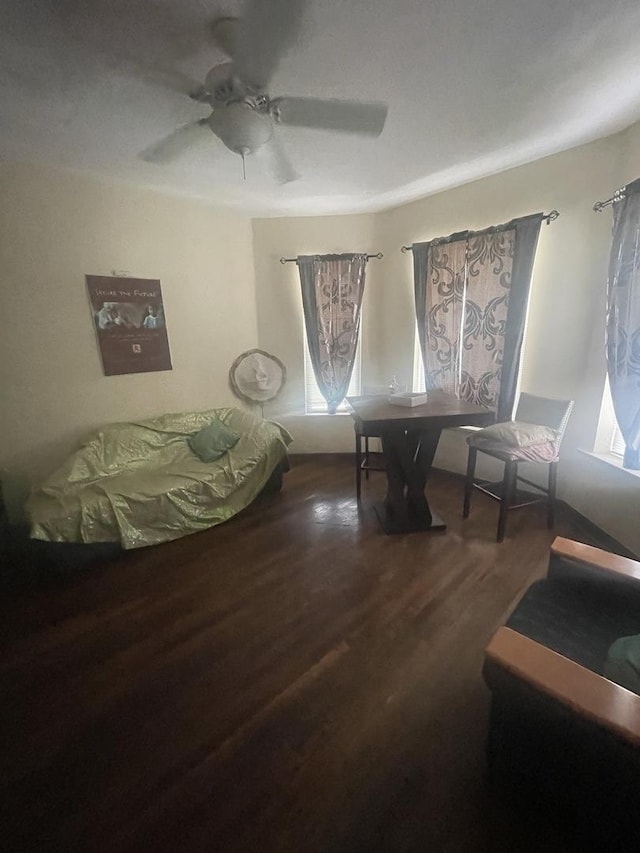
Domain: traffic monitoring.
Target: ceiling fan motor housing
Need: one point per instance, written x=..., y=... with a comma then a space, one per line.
x=219, y=82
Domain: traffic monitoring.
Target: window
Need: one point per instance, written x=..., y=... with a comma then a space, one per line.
x=617, y=441
x=608, y=438
x=314, y=401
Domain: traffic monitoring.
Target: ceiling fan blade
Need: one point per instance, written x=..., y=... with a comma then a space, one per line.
x=265, y=32
x=225, y=34
x=175, y=144
x=345, y=116
x=170, y=79
x=276, y=162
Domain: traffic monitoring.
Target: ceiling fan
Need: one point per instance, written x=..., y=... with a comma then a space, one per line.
x=244, y=117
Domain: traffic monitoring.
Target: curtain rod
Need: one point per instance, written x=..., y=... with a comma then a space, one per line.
x=295, y=260
x=547, y=217
x=618, y=195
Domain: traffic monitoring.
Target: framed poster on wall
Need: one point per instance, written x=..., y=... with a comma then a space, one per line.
x=129, y=319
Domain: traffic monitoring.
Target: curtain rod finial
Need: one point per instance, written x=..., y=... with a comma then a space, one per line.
x=618, y=195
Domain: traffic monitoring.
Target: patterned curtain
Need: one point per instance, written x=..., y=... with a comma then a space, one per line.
x=471, y=292
x=623, y=320
x=332, y=290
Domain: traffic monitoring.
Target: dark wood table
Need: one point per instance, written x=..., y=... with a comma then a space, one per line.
x=409, y=440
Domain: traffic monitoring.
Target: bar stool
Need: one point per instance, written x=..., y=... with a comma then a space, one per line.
x=363, y=459
x=534, y=436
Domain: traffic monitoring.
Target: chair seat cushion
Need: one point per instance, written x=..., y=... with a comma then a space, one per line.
x=517, y=440
x=547, y=452
x=514, y=434
x=575, y=620
x=623, y=663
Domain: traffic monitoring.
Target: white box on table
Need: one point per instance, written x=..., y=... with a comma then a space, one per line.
x=408, y=400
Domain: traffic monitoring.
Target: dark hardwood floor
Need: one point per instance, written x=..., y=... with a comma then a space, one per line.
x=293, y=680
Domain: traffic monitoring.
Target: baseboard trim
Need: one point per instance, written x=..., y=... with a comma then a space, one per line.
x=329, y=456
x=590, y=529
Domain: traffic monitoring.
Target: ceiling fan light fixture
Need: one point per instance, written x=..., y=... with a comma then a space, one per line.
x=241, y=128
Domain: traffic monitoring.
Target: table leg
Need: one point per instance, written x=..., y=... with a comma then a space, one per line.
x=409, y=456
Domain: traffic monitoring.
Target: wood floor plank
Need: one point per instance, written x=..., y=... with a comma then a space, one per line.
x=291, y=680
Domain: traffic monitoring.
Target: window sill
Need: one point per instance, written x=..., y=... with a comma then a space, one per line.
x=326, y=414
x=300, y=413
x=612, y=461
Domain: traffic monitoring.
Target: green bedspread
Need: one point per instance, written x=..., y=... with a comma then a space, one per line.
x=141, y=484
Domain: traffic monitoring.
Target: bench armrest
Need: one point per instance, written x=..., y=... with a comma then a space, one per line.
x=586, y=693
x=580, y=562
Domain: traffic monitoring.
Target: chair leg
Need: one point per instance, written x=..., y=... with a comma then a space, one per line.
x=468, y=484
x=551, y=500
x=358, y=465
x=508, y=489
x=366, y=457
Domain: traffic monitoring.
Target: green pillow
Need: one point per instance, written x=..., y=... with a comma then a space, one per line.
x=213, y=441
x=623, y=663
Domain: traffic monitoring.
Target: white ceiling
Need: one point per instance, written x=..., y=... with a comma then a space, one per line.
x=473, y=87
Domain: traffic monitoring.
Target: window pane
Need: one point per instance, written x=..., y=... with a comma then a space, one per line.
x=314, y=401
x=617, y=442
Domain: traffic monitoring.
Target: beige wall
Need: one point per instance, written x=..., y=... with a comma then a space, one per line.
x=630, y=160
x=55, y=228
x=564, y=352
